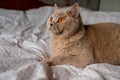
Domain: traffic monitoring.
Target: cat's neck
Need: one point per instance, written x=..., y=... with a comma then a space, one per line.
x=78, y=35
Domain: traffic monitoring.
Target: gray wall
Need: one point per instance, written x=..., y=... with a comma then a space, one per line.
x=91, y=4
x=110, y=5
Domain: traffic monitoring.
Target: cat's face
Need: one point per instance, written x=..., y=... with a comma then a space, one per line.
x=64, y=22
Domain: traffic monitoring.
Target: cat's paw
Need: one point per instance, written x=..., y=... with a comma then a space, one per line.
x=48, y=61
x=54, y=77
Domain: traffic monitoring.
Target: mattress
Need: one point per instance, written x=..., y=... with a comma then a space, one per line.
x=24, y=43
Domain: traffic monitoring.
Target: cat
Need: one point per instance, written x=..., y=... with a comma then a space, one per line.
x=80, y=45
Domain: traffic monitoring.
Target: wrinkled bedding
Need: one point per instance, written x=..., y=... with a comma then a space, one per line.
x=24, y=40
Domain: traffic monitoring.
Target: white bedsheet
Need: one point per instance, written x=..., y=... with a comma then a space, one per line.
x=24, y=39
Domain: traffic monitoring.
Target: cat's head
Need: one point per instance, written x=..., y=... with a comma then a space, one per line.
x=64, y=22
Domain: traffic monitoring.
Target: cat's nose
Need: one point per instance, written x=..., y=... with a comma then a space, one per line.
x=51, y=24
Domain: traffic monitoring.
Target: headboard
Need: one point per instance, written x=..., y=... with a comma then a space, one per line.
x=21, y=4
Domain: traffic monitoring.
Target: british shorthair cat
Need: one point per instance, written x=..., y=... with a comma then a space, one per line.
x=79, y=45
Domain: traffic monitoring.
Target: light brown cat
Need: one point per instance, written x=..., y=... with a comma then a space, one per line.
x=77, y=44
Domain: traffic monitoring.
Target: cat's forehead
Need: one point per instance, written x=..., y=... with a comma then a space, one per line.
x=59, y=13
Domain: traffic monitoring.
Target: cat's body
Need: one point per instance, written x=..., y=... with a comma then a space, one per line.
x=79, y=45
x=105, y=39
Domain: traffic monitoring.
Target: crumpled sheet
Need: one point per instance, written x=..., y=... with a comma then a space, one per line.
x=91, y=72
x=24, y=40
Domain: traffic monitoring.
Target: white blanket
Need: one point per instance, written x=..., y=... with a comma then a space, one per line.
x=24, y=39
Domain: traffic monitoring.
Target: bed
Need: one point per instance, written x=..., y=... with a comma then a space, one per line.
x=24, y=42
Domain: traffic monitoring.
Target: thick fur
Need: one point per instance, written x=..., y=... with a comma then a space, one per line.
x=80, y=45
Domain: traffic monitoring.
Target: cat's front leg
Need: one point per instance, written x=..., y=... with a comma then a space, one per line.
x=75, y=60
x=62, y=59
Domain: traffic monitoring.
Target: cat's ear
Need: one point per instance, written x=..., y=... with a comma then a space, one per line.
x=56, y=7
x=75, y=10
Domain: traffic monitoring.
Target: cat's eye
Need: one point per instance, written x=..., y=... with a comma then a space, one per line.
x=51, y=19
x=60, y=20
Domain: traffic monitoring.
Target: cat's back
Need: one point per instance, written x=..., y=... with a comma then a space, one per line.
x=104, y=31
x=103, y=27
x=105, y=38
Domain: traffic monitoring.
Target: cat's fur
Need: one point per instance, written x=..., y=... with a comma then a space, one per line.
x=80, y=45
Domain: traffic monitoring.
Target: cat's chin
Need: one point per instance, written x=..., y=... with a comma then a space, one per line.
x=57, y=33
